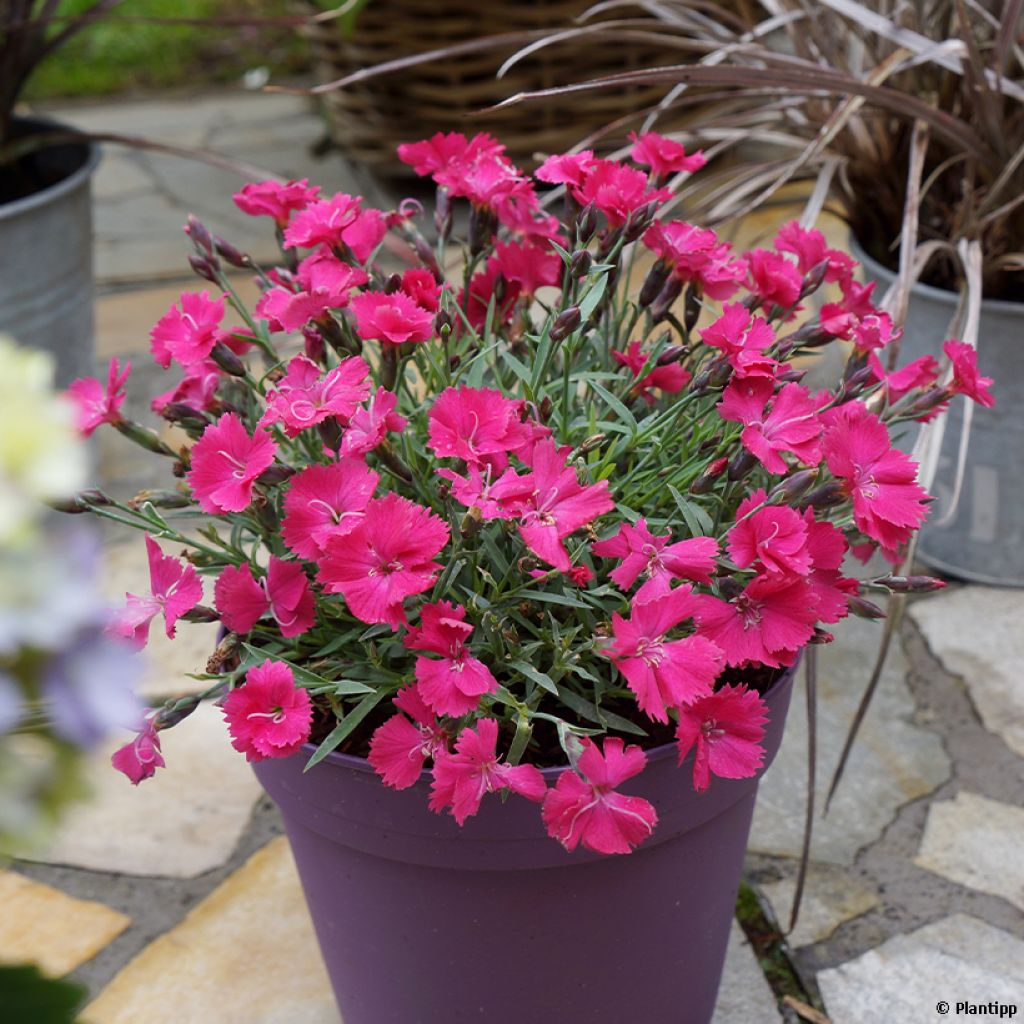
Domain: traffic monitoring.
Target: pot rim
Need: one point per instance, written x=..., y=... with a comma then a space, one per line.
x=52, y=193
x=653, y=754
x=941, y=295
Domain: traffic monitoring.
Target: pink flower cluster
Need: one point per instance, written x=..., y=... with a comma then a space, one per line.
x=524, y=504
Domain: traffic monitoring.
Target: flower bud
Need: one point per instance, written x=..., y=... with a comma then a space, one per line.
x=589, y=444
x=565, y=323
x=443, y=214
x=201, y=237
x=330, y=433
x=741, y=465
x=200, y=613
x=470, y=523
x=143, y=437
x=393, y=284
x=586, y=222
x=639, y=221
x=927, y=401
x=666, y=298
x=544, y=409
x=792, y=376
x=706, y=480
x=580, y=263
x=184, y=415
x=864, y=608
x=276, y=474
x=720, y=374
x=483, y=223
x=908, y=584
x=81, y=502
x=794, y=486
x=227, y=360
x=160, y=499
x=443, y=322
x=826, y=496
x=692, y=308
x=814, y=278
x=821, y=636
x=672, y=354
x=313, y=345
x=653, y=283
x=177, y=711
x=227, y=252
x=203, y=267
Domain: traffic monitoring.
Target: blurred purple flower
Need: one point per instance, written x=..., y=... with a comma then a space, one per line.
x=89, y=688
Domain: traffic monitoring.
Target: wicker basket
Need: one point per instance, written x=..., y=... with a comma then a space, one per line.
x=368, y=120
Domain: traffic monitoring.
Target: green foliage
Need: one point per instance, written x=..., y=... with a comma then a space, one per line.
x=119, y=55
x=27, y=996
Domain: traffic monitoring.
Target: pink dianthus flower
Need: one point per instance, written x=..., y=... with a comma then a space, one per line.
x=727, y=728
x=268, y=715
x=463, y=777
x=583, y=806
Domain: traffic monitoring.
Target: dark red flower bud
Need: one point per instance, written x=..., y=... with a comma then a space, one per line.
x=863, y=608
x=203, y=267
x=813, y=278
x=826, y=496
x=443, y=322
x=586, y=223
x=81, y=502
x=230, y=254
x=184, y=415
x=276, y=474
x=706, y=480
x=671, y=355
x=653, y=283
x=313, y=345
x=201, y=237
x=565, y=323
x=794, y=486
x=666, y=299
x=227, y=360
x=160, y=499
x=692, y=308
x=393, y=284
x=330, y=433
x=909, y=584
x=580, y=264
x=741, y=465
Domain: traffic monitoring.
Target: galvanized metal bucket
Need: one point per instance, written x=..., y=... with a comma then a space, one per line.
x=46, y=286
x=982, y=540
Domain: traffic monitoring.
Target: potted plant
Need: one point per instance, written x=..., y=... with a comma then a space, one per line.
x=916, y=120
x=495, y=548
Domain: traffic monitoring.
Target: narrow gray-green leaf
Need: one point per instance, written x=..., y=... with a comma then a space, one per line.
x=345, y=727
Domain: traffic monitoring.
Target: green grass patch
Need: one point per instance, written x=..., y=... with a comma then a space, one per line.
x=120, y=56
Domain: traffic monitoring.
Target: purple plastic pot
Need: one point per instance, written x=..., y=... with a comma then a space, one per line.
x=421, y=922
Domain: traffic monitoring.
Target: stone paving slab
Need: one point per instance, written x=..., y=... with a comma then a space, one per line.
x=894, y=761
x=976, y=842
x=142, y=197
x=832, y=896
x=952, y=623
x=957, y=959
x=185, y=820
x=246, y=955
x=44, y=926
